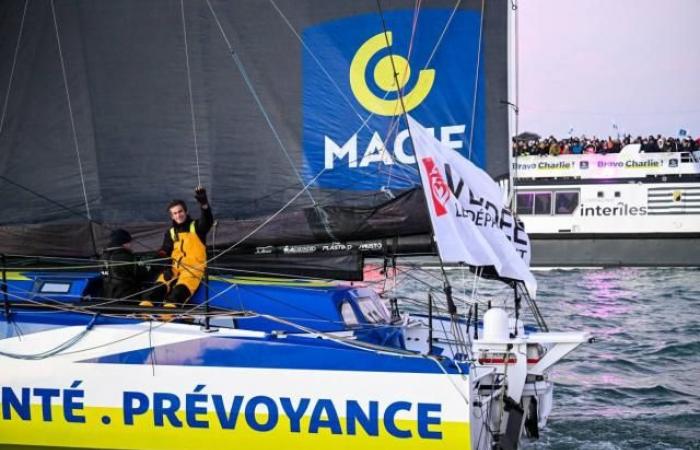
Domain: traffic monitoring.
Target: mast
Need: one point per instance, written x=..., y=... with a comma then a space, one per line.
x=451, y=307
x=513, y=94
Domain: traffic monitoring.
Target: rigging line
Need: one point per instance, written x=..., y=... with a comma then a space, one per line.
x=320, y=65
x=414, y=26
x=239, y=64
x=151, y=348
x=410, y=136
x=249, y=85
x=434, y=50
x=381, y=350
x=148, y=330
x=62, y=206
x=43, y=197
x=269, y=219
x=56, y=350
x=442, y=35
x=364, y=120
x=281, y=301
x=407, y=273
x=189, y=89
x=514, y=89
x=47, y=302
x=303, y=310
x=116, y=341
x=332, y=80
x=57, y=258
x=14, y=63
x=395, y=121
x=99, y=264
x=323, y=69
x=287, y=276
x=70, y=113
x=476, y=79
x=352, y=343
x=340, y=91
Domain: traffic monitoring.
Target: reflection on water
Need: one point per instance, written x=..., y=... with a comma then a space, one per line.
x=604, y=294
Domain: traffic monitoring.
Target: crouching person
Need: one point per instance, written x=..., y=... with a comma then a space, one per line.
x=122, y=276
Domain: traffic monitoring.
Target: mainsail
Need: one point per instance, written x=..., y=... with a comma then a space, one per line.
x=282, y=109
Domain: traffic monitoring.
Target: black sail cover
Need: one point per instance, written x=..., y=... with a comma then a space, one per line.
x=287, y=111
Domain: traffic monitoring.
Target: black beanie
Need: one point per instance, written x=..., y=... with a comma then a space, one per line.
x=119, y=237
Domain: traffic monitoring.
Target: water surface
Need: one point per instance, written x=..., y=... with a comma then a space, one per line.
x=638, y=386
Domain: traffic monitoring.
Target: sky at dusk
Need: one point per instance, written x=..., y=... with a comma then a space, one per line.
x=589, y=64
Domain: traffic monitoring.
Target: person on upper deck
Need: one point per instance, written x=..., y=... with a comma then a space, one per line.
x=576, y=147
x=185, y=243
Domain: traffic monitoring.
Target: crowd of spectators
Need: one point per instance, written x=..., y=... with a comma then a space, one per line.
x=578, y=145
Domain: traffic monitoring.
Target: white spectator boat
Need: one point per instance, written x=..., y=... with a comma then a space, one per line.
x=629, y=208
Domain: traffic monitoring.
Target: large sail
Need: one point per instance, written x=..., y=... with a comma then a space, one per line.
x=287, y=111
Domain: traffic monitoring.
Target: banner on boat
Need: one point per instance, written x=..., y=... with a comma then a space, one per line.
x=470, y=222
x=603, y=166
x=183, y=407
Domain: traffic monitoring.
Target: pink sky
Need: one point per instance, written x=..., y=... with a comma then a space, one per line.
x=588, y=64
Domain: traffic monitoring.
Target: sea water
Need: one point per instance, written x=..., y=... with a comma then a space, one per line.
x=638, y=385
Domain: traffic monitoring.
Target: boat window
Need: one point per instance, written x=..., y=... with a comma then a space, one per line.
x=54, y=288
x=543, y=203
x=348, y=314
x=565, y=202
x=524, y=202
x=371, y=311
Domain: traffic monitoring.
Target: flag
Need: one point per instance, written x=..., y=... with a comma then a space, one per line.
x=470, y=222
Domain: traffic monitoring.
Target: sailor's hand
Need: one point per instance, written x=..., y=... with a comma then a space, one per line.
x=200, y=194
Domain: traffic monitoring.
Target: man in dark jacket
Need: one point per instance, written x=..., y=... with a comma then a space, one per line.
x=185, y=243
x=122, y=276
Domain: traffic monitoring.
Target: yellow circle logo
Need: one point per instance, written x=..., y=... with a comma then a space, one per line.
x=384, y=78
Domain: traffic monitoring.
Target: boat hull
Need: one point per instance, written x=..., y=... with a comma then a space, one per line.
x=591, y=250
x=176, y=386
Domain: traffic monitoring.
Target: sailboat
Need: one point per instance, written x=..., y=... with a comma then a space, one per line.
x=112, y=108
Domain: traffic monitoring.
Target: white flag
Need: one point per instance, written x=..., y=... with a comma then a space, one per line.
x=470, y=222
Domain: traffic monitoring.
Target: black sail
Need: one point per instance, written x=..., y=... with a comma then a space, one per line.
x=282, y=109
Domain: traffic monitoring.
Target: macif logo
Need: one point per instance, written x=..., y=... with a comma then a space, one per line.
x=438, y=188
x=353, y=132
x=388, y=71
